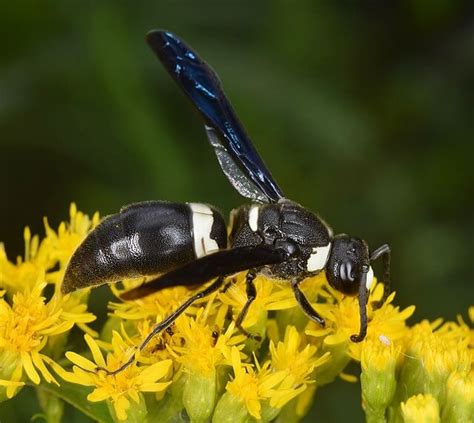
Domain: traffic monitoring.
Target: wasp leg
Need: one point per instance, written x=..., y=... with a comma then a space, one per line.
x=305, y=305
x=227, y=285
x=169, y=321
x=251, y=295
x=384, y=252
x=363, y=295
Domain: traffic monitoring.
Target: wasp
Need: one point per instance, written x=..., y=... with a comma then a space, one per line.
x=187, y=244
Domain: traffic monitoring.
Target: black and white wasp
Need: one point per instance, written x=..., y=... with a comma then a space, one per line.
x=187, y=244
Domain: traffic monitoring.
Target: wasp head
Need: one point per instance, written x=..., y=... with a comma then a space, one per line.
x=348, y=260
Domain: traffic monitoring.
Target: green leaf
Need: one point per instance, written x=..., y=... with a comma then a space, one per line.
x=76, y=395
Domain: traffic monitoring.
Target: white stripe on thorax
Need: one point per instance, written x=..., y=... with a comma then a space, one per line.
x=253, y=218
x=370, y=277
x=203, y=220
x=318, y=258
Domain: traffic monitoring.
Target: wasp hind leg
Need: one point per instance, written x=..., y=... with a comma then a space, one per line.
x=164, y=324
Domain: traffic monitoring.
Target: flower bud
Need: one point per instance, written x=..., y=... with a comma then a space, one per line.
x=9, y=385
x=199, y=396
x=420, y=409
x=268, y=412
x=459, y=406
x=377, y=379
x=123, y=410
x=431, y=357
x=230, y=409
x=170, y=406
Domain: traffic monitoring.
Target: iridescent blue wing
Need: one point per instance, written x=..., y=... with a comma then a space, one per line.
x=237, y=156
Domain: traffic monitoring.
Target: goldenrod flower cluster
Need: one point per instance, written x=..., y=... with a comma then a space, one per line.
x=202, y=368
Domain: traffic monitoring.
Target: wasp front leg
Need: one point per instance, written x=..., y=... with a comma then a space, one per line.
x=304, y=303
x=384, y=252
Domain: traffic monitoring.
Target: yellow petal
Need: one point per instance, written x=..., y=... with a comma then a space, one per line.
x=121, y=406
x=81, y=377
x=318, y=332
x=282, y=304
x=254, y=408
x=87, y=329
x=29, y=368
x=96, y=353
x=58, y=329
x=154, y=372
x=348, y=378
x=98, y=394
x=154, y=387
x=273, y=380
x=79, y=318
x=80, y=361
x=16, y=376
x=38, y=362
x=405, y=314
x=335, y=339
x=133, y=393
x=11, y=383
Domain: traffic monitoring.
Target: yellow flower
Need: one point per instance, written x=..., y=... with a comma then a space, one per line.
x=203, y=350
x=343, y=320
x=156, y=306
x=460, y=330
x=63, y=242
x=119, y=389
x=432, y=354
x=25, y=328
x=160, y=348
x=298, y=363
x=250, y=386
x=442, y=351
x=27, y=272
x=420, y=409
x=40, y=258
x=378, y=355
x=271, y=295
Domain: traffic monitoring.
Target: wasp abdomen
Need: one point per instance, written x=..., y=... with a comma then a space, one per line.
x=145, y=239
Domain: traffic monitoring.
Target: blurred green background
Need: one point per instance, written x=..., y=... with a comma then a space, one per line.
x=364, y=112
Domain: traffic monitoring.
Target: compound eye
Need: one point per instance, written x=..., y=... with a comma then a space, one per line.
x=289, y=246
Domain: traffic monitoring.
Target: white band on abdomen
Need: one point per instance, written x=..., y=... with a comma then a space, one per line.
x=203, y=219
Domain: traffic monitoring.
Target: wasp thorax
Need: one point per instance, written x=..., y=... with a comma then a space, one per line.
x=346, y=262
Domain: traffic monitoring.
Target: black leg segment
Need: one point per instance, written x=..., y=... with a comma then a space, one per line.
x=384, y=252
x=305, y=305
x=251, y=295
x=363, y=295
